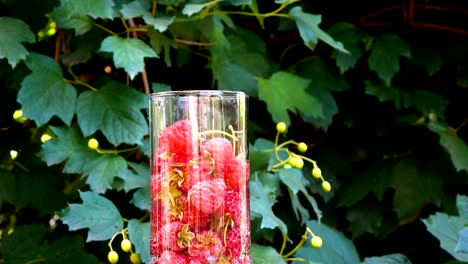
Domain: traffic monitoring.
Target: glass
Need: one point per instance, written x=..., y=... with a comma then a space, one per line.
x=199, y=178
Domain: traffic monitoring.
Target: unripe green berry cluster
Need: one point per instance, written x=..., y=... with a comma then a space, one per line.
x=126, y=246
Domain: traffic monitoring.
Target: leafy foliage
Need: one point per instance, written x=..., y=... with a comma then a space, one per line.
x=380, y=105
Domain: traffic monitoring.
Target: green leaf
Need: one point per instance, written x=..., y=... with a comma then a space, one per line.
x=67, y=249
x=67, y=145
x=462, y=245
x=429, y=57
x=139, y=177
x=23, y=244
x=259, y=159
x=141, y=9
x=285, y=91
x=352, y=39
x=190, y=9
x=266, y=255
x=102, y=171
x=369, y=216
x=115, y=110
x=139, y=234
x=160, y=42
x=462, y=205
x=7, y=186
x=44, y=93
x=67, y=19
x=379, y=90
x=455, y=146
x=446, y=229
x=96, y=213
x=384, y=57
x=336, y=248
x=238, y=2
x=409, y=201
x=13, y=32
x=308, y=25
x=128, y=53
x=261, y=204
x=86, y=46
x=92, y=8
x=388, y=259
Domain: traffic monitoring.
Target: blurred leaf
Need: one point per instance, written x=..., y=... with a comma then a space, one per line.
x=259, y=158
x=191, y=9
x=462, y=205
x=68, y=19
x=44, y=93
x=87, y=45
x=128, y=53
x=23, y=244
x=308, y=25
x=336, y=248
x=261, y=204
x=455, y=146
x=13, y=32
x=141, y=9
x=446, y=229
x=93, y=8
x=139, y=234
x=352, y=39
x=366, y=217
x=380, y=90
x=266, y=255
x=388, y=259
x=8, y=191
x=67, y=249
x=429, y=57
x=384, y=57
x=462, y=245
x=102, y=171
x=160, y=42
x=408, y=200
x=285, y=91
x=96, y=213
x=115, y=110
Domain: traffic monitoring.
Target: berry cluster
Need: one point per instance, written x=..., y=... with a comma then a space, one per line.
x=199, y=210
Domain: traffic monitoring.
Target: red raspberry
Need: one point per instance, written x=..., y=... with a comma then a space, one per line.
x=177, y=141
x=207, y=196
x=207, y=247
x=236, y=173
x=175, y=236
x=196, y=219
x=197, y=171
x=220, y=150
x=237, y=243
x=173, y=257
x=231, y=209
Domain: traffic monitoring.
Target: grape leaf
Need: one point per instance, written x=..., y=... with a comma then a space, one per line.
x=128, y=53
x=384, y=57
x=67, y=249
x=160, y=42
x=308, y=25
x=352, y=39
x=115, y=110
x=379, y=90
x=86, y=46
x=139, y=234
x=67, y=145
x=455, y=146
x=408, y=201
x=44, y=93
x=96, y=213
x=190, y=9
x=261, y=204
x=7, y=186
x=366, y=217
x=141, y=9
x=13, y=32
x=93, y=8
x=446, y=229
x=429, y=57
x=238, y=2
x=285, y=91
x=266, y=255
x=139, y=177
x=388, y=259
x=462, y=206
x=102, y=171
x=462, y=245
x=66, y=19
x=336, y=248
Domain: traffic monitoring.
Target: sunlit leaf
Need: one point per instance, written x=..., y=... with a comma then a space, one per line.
x=13, y=32
x=93, y=8
x=388, y=259
x=102, y=171
x=191, y=9
x=96, y=213
x=266, y=255
x=67, y=19
x=139, y=234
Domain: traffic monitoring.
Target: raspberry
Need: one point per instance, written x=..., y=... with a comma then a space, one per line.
x=206, y=247
x=237, y=241
x=237, y=173
x=207, y=196
x=220, y=150
x=177, y=140
x=175, y=236
x=199, y=171
x=196, y=219
x=231, y=209
x=173, y=257
x=155, y=246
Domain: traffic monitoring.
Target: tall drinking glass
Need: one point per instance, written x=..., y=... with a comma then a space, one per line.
x=199, y=178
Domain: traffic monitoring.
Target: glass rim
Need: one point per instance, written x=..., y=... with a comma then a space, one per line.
x=198, y=93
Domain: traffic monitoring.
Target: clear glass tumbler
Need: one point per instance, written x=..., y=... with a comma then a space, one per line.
x=199, y=178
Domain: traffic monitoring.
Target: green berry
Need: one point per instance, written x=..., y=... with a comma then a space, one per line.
x=18, y=114
x=113, y=257
x=45, y=137
x=135, y=258
x=13, y=154
x=326, y=186
x=51, y=31
x=281, y=127
x=296, y=162
x=317, y=172
x=302, y=147
x=126, y=245
x=287, y=166
x=93, y=143
x=316, y=242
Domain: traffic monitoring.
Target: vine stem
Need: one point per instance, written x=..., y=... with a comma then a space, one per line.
x=144, y=75
x=105, y=29
x=299, y=245
x=76, y=80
